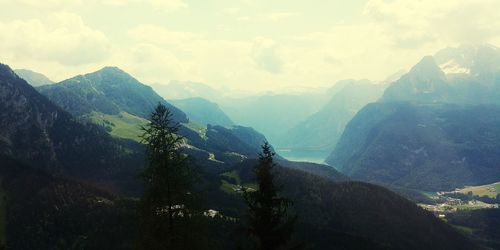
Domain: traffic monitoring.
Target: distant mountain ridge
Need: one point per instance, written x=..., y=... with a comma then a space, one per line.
x=35, y=79
x=267, y=112
x=204, y=111
x=465, y=75
x=109, y=90
x=322, y=130
x=424, y=83
x=273, y=114
x=48, y=212
x=431, y=130
x=431, y=147
x=469, y=59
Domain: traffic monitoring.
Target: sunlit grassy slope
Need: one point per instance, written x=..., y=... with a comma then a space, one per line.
x=233, y=182
x=490, y=190
x=123, y=125
x=197, y=127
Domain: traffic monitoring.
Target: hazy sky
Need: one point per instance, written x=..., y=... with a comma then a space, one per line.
x=253, y=45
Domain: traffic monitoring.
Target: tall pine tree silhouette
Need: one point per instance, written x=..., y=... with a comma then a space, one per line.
x=269, y=223
x=167, y=204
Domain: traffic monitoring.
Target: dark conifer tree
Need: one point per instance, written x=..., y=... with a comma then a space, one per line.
x=269, y=223
x=167, y=205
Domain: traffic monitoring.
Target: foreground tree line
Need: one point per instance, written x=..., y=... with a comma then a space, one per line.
x=170, y=210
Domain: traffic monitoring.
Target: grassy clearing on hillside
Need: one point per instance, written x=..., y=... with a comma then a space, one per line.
x=235, y=185
x=228, y=187
x=123, y=125
x=198, y=128
x=428, y=194
x=490, y=190
x=473, y=205
x=234, y=175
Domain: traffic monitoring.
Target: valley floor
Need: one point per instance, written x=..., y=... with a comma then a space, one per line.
x=448, y=205
x=466, y=198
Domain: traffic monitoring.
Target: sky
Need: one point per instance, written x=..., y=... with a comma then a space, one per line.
x=239, y=45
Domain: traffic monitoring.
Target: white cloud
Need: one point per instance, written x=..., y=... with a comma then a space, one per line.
x=265, y=55
x=316, y=58
x=348, y=51
x=151, y=63
x=43, y=4
x=231, y=11
x=268, y=17
x=278, y=16
x=163, y=5
x=62, y=38
x=161, y=36
x=268, y=49
x=415, y=23
x=167, y=5
x=176, y=55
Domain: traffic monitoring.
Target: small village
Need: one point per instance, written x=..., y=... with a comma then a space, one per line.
x=445, y=204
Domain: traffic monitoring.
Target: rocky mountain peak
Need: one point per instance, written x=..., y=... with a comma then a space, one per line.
x=427, y=68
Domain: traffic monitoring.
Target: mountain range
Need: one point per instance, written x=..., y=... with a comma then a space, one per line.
x=317, y=120
x=321, y=130
x=273, y=114
x=203, y=111
x=436, y=128
x=70, y=183
x=108, y=91
x=113, y=99
x=35, y=79
x=268, y=113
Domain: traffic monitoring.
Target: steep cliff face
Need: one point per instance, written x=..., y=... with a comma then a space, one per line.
x=435, y=128
x=424, y=83
x=429, y=147
x=35, y=130
x=26, y=119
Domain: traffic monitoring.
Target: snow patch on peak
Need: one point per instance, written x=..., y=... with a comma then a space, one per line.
x=453, y=67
